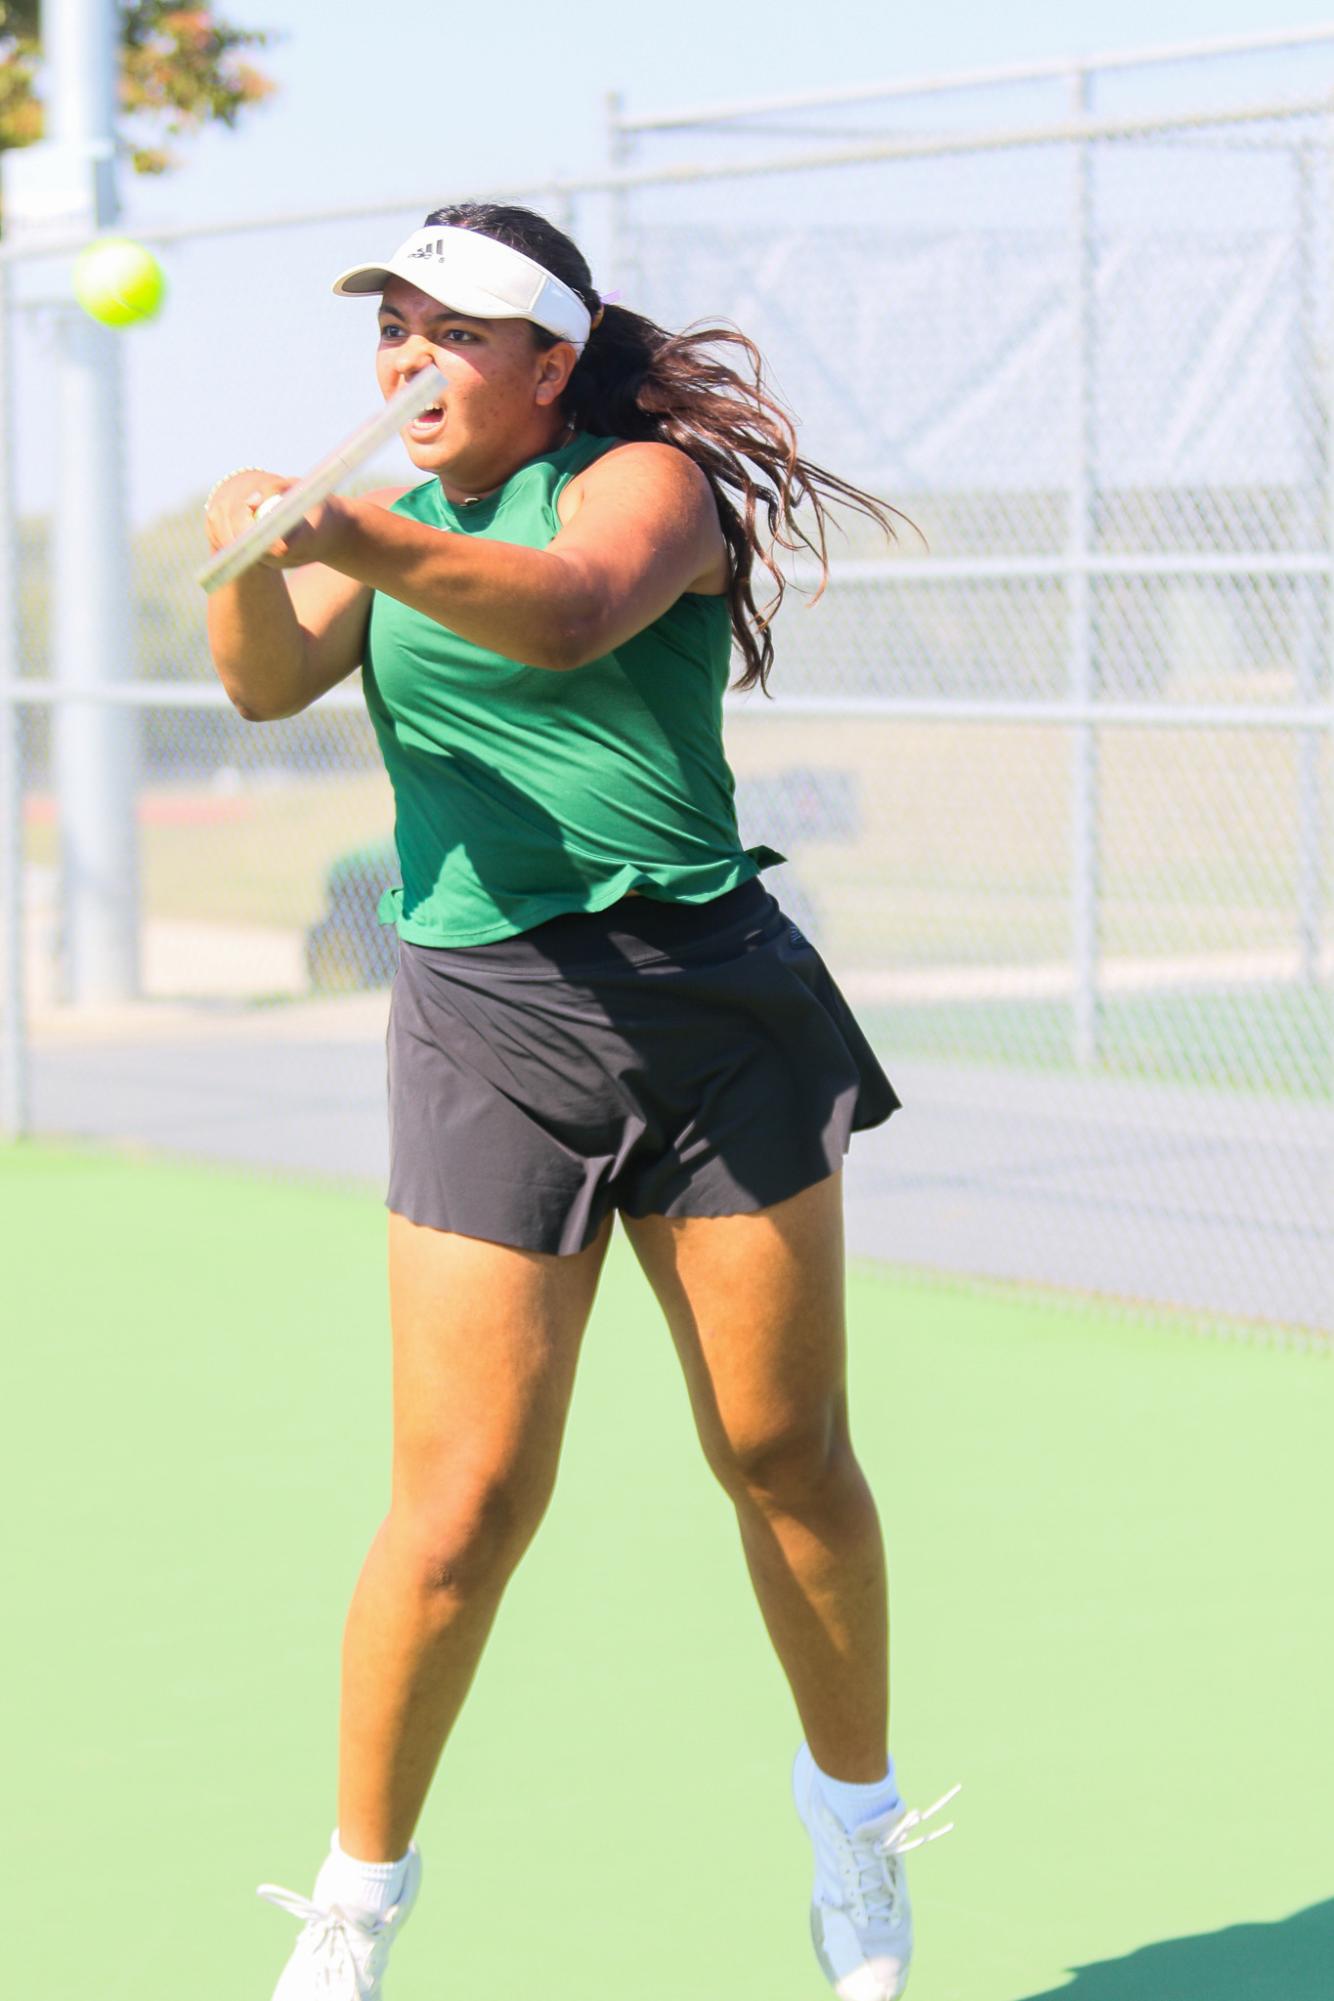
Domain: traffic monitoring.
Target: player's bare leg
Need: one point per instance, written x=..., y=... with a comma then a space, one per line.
x=485, y=1345
x=755, y=1306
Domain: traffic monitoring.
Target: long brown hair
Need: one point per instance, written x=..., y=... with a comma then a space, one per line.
x=636, y=381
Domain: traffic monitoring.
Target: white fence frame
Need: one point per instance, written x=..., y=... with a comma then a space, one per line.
x=1077, y=565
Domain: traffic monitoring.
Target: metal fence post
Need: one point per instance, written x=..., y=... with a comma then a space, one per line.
x=1085, y=856
x=1325, y=740
x=14, y=1114
x=1312, y=528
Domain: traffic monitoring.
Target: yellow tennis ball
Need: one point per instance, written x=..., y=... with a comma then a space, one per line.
x=118, y=282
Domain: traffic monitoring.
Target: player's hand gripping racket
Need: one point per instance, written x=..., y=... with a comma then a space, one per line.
x=281, y=511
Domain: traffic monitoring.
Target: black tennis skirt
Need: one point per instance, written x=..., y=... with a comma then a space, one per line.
x=666, y=1059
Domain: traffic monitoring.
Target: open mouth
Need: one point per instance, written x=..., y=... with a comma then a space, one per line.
x=428, y=423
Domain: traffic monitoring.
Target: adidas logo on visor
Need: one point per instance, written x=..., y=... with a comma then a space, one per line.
x=506, y=273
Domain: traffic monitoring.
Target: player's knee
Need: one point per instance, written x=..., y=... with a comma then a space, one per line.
x=789, y=1469
x=469, y=1536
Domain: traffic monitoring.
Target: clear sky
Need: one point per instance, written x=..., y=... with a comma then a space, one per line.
x=413, y=97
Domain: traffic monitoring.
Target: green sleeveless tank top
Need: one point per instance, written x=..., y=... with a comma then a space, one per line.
x=520, y=792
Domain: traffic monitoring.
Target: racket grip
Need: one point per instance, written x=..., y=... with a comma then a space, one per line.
x=407, y=402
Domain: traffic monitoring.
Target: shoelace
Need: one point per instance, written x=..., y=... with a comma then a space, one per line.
x=875, y=1862
x=332, y=1957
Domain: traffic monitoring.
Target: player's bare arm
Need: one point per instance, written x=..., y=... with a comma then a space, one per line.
x=642, y=529
x=279, y=641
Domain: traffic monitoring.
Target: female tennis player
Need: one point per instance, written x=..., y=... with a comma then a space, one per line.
x=598, y=1010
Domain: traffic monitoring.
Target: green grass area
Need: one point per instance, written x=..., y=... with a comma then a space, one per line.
x=1278, y=1041
x=963, y=854
x=1109, y=1546
x=256, y=858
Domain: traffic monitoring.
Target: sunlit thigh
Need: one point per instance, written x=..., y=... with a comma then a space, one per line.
x=486, y=1340
x=755, y=1307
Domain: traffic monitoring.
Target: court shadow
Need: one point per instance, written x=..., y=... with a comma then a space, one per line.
x=1290, y=1960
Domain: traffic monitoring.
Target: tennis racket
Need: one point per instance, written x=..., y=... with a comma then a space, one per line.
x=281, y=511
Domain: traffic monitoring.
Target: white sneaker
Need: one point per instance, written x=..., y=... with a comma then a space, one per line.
x=861, y=1919
x=340, y=1955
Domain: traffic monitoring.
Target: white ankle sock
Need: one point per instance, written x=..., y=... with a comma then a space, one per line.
x=374, y=1887
x=855, y=1805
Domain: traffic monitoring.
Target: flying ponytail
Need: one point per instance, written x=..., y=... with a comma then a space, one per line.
x=704, y=391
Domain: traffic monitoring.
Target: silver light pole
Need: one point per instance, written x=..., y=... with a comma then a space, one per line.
x=95, y=744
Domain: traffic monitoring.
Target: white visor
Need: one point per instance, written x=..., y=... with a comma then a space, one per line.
x=478, y=276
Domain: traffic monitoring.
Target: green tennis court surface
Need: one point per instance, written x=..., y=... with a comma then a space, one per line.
x=1111, y=1552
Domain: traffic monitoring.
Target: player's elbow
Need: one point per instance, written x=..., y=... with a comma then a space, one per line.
x=250, y=707
x=255, y=708
x=574, y=630
x=261, y=690
x=560, y=651
x=583, y=637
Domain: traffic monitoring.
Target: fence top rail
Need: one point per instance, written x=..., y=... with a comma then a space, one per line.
x=941, y=83
x=865, y=152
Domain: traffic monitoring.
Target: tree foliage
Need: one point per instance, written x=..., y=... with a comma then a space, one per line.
x=181, y=68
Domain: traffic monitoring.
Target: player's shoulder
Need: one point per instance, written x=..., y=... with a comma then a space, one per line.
x=643, y=458
x=640, y=468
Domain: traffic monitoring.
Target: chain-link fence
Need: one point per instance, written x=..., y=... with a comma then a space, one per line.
x=1053, y=772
